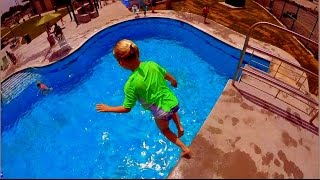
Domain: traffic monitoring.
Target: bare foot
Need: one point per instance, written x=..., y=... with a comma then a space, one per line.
x=180, y=132
x=186, y=154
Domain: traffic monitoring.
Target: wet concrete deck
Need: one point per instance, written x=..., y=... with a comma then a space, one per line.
x=245, y=136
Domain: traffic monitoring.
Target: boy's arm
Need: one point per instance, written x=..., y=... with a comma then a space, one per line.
x=116, y=109
x=170, y=78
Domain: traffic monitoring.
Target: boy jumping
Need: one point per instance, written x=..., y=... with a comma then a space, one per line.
x=147, y=83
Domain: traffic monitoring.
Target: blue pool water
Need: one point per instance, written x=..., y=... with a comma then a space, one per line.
x=125, y=3
x=61, y=135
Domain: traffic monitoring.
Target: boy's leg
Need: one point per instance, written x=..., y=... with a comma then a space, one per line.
x=176, y=120
x=163, y=125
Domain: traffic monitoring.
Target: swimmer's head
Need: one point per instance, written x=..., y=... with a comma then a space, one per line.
x=126, y=50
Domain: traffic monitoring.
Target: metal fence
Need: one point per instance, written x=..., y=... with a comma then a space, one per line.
x=297, y=18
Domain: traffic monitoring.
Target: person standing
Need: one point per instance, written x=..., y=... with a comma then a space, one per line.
x=153, y=3
x=12, y=58
x=48, y=29
x=57, y=30
x=205, y=12
x=62, y=21
x=144, y=6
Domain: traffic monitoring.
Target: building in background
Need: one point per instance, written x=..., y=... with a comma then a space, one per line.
x=40, y=6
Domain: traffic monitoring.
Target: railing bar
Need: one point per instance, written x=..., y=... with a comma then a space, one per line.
x=306, y=103
x=293, y=70
x=284, y=60
x=275, y=74
x=303, y=82
x=260, y=63
x=315, y=103
x=251, y=56
x=288, y=76
x=314, y=117
x=278, y=98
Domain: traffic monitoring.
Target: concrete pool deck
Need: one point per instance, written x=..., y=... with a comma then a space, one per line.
x=247, y=137
x=241, y=137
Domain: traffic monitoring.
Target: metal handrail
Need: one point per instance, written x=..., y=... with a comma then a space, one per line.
x=246, y=42
x=272, y=84
x=283, y=87
x=284, y=60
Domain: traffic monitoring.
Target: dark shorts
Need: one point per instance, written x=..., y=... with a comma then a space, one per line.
x=167, y=116
x=205, y=15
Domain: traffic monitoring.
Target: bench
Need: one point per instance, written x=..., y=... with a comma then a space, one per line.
x=83, y=18
x=93, y=14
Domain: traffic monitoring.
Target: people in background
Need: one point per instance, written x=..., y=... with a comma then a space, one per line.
x=144, y=6
x=205, y=12
x=48, y=29
x=43, y=88
x=12, y=58
x=153, y=3
x=57, y=31
x=135, y=10
x=61, y=20
x=147, y=83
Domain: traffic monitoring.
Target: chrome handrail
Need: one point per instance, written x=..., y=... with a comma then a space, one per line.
x=248, y=37
x=284, y=60
x=246, y=44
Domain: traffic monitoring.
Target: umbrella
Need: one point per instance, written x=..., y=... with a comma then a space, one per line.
x=47, y=18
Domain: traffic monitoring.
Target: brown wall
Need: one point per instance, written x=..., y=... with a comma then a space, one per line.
x=38, y=6
x=43, y=5
x=49, y=4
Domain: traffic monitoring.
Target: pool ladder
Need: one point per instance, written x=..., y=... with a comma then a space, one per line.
x=272, y=80
x=12, y=87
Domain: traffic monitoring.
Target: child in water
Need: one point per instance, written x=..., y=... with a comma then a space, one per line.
x=43, y=88
x=147, y=83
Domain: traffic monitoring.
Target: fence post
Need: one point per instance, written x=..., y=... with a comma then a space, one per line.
x=72, y=10
x=69, y=11
x=285, y=2
x=314, y=27
x=271, y=5
x=295, y=19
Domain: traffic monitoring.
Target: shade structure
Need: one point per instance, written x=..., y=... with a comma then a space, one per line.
x=47, y=18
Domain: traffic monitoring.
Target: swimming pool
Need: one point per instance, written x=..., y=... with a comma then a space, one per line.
x=62, y=136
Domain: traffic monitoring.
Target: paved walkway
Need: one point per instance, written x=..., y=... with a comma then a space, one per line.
x=38, y=53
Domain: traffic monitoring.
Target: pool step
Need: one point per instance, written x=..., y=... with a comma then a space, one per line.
x=12, y=87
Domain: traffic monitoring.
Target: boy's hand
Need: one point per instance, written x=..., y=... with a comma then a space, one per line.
x=174, y=83
x=102, y=107
x=170, y=78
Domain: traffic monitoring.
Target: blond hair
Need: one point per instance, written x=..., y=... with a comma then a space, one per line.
x=126, y=50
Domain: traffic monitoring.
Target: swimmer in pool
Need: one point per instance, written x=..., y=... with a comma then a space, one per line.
x=43, y=88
